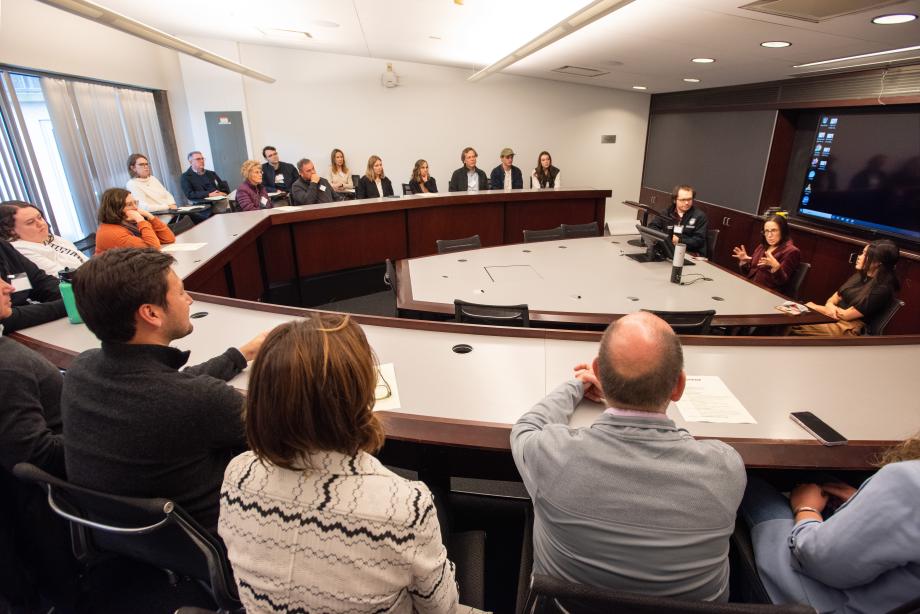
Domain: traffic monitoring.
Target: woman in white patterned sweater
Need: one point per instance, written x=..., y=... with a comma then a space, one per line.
x=312, y=521
x=24, y=226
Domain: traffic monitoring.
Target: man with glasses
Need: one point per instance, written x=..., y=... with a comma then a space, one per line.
x=685, y=223
x=199, y=183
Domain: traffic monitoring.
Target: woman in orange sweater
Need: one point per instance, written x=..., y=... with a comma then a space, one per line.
x=122, y=224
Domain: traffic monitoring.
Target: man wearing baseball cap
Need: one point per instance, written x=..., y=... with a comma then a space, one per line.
x=506, y=176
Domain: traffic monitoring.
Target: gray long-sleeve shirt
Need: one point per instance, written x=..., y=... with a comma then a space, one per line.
x=632, y=503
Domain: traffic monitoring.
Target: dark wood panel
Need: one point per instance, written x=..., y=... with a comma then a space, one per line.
x=278, y=254
x=540, y=215
x=426, y=226
x=337, y=243
x=908, y=319
x=216, y=284
x=778, y=161
x=247, y=274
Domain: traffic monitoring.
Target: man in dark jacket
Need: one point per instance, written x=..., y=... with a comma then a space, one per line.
x=310, y=188
x=506, y=176
x=468, y=178
x=277, y=176
x=36, y=296
x=134, y=424
x=198, y=183
x=684, y=222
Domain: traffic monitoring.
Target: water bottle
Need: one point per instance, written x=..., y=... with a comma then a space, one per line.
x=70, y=304
x=677, y=265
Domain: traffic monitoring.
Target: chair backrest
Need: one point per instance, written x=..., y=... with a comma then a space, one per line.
x=390, y=277
x=355, y=179
x=574, y=231
x=687, y=322
x=407, y=189
x=795, y=282
x=549, y=594
x=712, y=237
x=87, y=244
x=550, y=234
x=493, y=315
x=877, y=324
x=446, y=246
x=181, y=225
x=156, y=531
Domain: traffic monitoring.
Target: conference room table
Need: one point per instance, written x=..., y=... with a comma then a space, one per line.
x=585, y=281
x=456, y=409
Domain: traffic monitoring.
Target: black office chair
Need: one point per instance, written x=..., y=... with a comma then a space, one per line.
x=389, y=278
x=87, y=244
x=575, y=231
x=712, y=237
x=876, y=325
x=493, y=315
x=181, y=225
x=407, y=189
x=795, y=282
x=155, y=531
x=446, y=246
x=687, y=322
x=354, y=180
x=551, y=595
x=550, y=234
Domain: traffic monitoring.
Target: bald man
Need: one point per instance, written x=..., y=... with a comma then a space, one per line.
x=631, y=502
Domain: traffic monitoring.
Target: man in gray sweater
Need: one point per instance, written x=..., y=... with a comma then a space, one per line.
x=631, y=502
x=134, y=424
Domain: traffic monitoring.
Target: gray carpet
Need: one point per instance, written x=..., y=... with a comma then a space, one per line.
x=377, y=304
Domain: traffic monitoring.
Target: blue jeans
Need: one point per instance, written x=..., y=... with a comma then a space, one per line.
x=762, y=502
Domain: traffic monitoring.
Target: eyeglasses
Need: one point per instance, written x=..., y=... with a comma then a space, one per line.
x=383, y=390
x=770, y=231
x=684, y=200
x=142, y=164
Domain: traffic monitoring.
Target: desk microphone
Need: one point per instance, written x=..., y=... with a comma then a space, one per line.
x=677, y=265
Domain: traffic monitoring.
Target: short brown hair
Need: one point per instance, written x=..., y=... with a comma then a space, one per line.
x=132, y=160
x=111, y=287
x=678, y=188
x=311, y=389
x=8, y=212
x=112, y=206
x=463, y=153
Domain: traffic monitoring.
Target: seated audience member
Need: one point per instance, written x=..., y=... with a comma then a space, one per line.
x=36, y=296
x=277, y=176
x=339, y=175
x=199, y=183
x=775, y=259
x=545, y=175
x=868, y=291
x=134, y=424
x=150, y=194
x=422, y=182
x=468, y=178
x=310, y=188
x=251, y=195
x=863, y=558
x=371, y=542
x=631, y=502
x=374, y=183
x=506, y=176
x=122, y=224
x=23, y=225
x=684, y=222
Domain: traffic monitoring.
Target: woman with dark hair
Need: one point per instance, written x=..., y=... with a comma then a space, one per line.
x=122, y=224
x=545, y=175
x=339, y=175
x=422, y=181
x=374, y=183
x=147, y=190
x=867, y=292
x=863, y=558
x=23, y=225
x=251, y=195
x=775, y=259
x=312, y=521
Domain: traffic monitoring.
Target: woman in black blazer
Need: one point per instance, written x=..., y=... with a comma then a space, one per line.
x=422, y=181
x=374, y=183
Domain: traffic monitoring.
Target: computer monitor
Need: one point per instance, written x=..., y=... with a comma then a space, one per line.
x=658, y=245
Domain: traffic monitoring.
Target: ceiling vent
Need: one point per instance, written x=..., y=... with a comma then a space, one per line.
x=578, y=71
x=815, y=11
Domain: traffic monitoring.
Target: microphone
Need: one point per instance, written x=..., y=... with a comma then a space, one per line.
x=677, y=265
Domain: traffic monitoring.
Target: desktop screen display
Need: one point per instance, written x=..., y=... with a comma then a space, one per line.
x=864, y=173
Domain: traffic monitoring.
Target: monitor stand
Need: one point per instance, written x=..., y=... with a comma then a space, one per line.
x=643, y=257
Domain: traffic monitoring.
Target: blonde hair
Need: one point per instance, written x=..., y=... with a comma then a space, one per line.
x=369, y=172
x=247, y=168
x=907, y=450
x=333, y=168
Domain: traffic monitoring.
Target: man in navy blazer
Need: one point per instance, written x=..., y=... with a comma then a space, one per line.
x=506, y=176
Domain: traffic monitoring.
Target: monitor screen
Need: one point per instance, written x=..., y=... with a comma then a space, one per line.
x=864, y=172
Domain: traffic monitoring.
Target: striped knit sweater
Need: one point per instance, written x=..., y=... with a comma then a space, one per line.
x=349, y=536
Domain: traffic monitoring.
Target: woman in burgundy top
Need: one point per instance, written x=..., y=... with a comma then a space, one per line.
x=252, y=195
x=775, y=260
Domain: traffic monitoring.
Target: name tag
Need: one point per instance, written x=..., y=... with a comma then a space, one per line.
x=264, y=201
x=279, y=178
x=20, y=282
x=678, y=229
x=322, y=188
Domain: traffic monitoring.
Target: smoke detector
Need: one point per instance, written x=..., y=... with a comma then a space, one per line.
x=389, y=78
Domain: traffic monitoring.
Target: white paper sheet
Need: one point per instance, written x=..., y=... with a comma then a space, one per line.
x=182, y=247
x=386, y=373
x=707, y=399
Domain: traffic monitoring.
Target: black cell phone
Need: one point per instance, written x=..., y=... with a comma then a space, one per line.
x=818, y=428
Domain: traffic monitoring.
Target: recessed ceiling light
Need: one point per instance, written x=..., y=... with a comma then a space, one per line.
x=639, y=87
x=888, y=20
x=691, y=80
x=703, y=60
x=775, y=44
